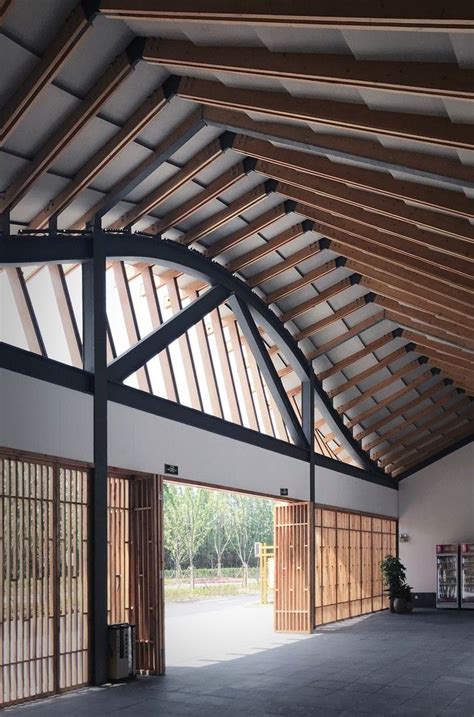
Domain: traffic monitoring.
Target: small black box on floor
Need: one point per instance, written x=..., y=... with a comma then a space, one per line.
x=424, y=599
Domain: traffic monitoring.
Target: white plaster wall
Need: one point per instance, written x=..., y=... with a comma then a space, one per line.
x=40, y=417
x=436, y=506
x=346, y=491
x=43, y=418
x=147, y=442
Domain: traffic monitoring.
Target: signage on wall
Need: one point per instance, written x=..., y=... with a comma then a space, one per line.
x=171, y=470
x=283, y=491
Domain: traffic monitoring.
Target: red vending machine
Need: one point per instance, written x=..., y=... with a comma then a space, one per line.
x=447, y=566
x=467, y=575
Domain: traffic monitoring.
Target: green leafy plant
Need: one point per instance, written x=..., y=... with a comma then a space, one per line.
x=394, y=576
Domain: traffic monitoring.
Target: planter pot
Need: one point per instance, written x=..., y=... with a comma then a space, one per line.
x=392, y=609
x=402, y=607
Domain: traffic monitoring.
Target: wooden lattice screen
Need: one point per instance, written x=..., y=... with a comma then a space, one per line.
x=349, y=548
x=292, y=606
x=43, y=578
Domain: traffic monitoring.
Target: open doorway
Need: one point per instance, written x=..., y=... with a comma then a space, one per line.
x=219, y=575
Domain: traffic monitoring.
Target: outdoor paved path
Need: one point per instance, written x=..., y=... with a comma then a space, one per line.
x=207, y=631
x=419, y=665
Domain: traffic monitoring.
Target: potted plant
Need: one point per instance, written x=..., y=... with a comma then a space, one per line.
x=403, y=602
x=394, y=577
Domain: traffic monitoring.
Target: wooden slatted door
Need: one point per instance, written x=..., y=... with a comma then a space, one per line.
x=44, y=622
x=147, y=573
x=292, y=602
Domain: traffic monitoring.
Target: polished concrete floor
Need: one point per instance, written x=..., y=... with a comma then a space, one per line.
x=420, y=664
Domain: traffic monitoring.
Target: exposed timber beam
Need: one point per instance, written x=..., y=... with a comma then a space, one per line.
x=452, y=202
x=341, y=313
x=453, y=430
x=450, y=352
x=446, y=401
x=102, y=89
x=256, y=225
x=460, y=331
x=384, y=454
x=437, y=131
x=26, y=311
x=363, y=375
x=372, y=15
x=358, y=328
x=57, y=54
x=291, y=261
x=130, y=319
x=415, y=247
x=428, y=393
x=165, y=334
x=443, y=447
x=406, y=292
x=147, y=111
x=440, y=231
x=268, y=370
x=404, y=319
x=393, y=396
x=311, y=276
x=362, y=353
x=276, y=242
x=212, y=191
x=167, y=189
x=157, y=320
x=377, y=244
x=363, y=396
x=366, y=152
x=398, y=276
x=323, y=296
x=244, y=202
x=66, y=312
x=168, y=146
x=443, y=80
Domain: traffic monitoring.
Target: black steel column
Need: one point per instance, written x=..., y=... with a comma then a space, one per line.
x=95, y=360
x=307, y=411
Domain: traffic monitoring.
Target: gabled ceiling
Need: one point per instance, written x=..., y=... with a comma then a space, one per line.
x=326, y=160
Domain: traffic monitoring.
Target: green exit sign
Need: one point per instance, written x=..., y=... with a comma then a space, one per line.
x=171, y=470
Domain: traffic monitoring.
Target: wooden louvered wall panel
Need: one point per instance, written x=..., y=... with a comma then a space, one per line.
x=44, y=620
x=118, y=592
x=348, y=549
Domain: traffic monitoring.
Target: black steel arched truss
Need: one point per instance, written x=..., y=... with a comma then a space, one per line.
x=68, y=247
